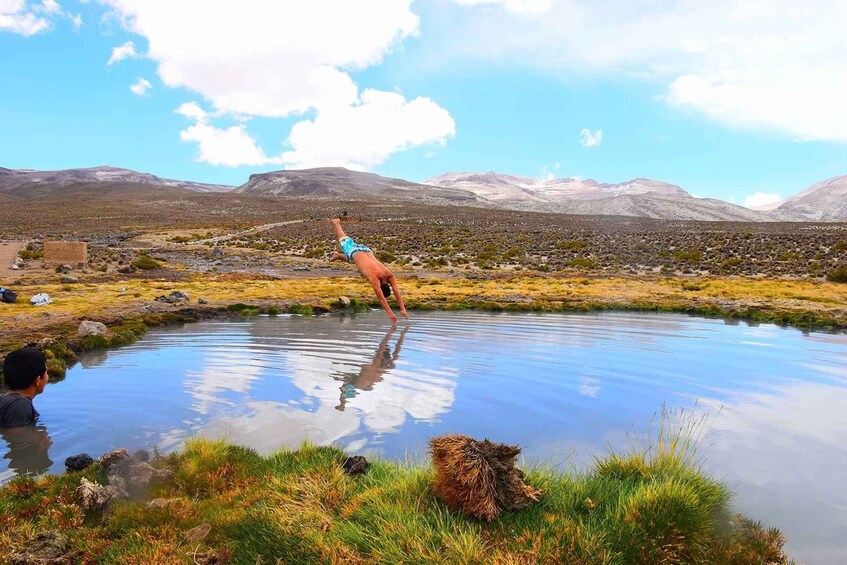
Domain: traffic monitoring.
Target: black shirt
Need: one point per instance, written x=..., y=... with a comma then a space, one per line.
x=16, y=410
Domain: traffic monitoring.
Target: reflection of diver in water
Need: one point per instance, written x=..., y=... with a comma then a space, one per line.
x=27, y=449
x=372, y=372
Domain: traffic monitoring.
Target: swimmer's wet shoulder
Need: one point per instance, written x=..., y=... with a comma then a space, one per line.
x=16, y=410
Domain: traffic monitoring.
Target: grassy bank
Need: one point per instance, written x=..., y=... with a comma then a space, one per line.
x=300, y=507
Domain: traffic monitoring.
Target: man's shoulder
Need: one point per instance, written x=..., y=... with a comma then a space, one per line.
x=12, y=398
x=16, y=410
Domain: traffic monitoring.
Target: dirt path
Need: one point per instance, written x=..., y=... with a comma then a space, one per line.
x=257, y=229
x=8, y=252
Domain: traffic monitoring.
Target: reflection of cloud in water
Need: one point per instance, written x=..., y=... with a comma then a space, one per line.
x=589, y=386
x=235, y=370
x=383, y=395
x=421, y=395
x=783, y=453
x=269, y=425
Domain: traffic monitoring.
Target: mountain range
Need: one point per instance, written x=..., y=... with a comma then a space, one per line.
x=823, y=201
x=28, y=183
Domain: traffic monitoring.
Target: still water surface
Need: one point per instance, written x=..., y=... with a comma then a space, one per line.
x=564, y=387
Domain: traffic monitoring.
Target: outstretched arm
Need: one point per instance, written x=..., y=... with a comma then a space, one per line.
x=385, y=306
x=392, y=280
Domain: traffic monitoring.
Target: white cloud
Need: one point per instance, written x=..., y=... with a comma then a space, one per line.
x=266, y=58
x=49, y=7
x=230, y=147
x=589, y=139
x=363, y=135
x=763, y=64
x=141, y=86
x=276, y=60
x=28, y=18
x=549, y=174
x=762, y=199
x=121, y=52
x=17, y=17
x=517, y=6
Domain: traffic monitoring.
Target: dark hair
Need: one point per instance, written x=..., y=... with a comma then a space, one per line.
x=22, y=367
x=386, y=289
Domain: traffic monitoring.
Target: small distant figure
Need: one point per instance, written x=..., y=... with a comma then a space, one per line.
x=380, y=277
x=25, y=373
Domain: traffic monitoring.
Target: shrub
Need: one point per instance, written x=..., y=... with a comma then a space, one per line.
x=838, y=275
x=514, y=253
x=690, y=256
x=582, y=263
x=27, y=254
x=574, y=245
x=146, y=263
x=386, y=256
x=731, y=262
x=791, y=256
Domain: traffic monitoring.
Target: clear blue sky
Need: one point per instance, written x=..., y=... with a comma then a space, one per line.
x=457, y=85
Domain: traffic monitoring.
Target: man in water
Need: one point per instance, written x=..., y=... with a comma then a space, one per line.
x=25, y=373
x=380, y=277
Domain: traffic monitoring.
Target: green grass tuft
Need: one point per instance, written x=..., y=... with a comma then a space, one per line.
x=302, y=309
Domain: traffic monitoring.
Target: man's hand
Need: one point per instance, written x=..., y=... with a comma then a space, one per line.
x=393, y=318
x=404, y=313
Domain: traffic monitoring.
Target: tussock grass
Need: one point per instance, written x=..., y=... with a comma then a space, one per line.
x=648, y=505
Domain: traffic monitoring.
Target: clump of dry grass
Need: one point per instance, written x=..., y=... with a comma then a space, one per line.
x=479, y=478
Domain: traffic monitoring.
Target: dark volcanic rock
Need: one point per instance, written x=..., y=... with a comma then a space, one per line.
x=356, y=465
x=175, y=297
x=115, y=462
x=78, y=462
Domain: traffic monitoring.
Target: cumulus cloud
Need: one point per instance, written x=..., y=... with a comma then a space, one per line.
x=141, y=86
x=29, y=18
x=363, y=135
x=762, y=64
x=517, y=6
x=549, y=173
x=268, y=59
x=762, y=200
x=16, y=16
x=230, y=147
x=589, y=139
x=275, y=60
x=121, y=52
x=49, y=7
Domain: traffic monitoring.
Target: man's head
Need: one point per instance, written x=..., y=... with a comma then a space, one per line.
x=386, y=289
x=26, y=368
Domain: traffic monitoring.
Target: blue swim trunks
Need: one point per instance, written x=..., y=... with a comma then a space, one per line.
x=350, y=248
